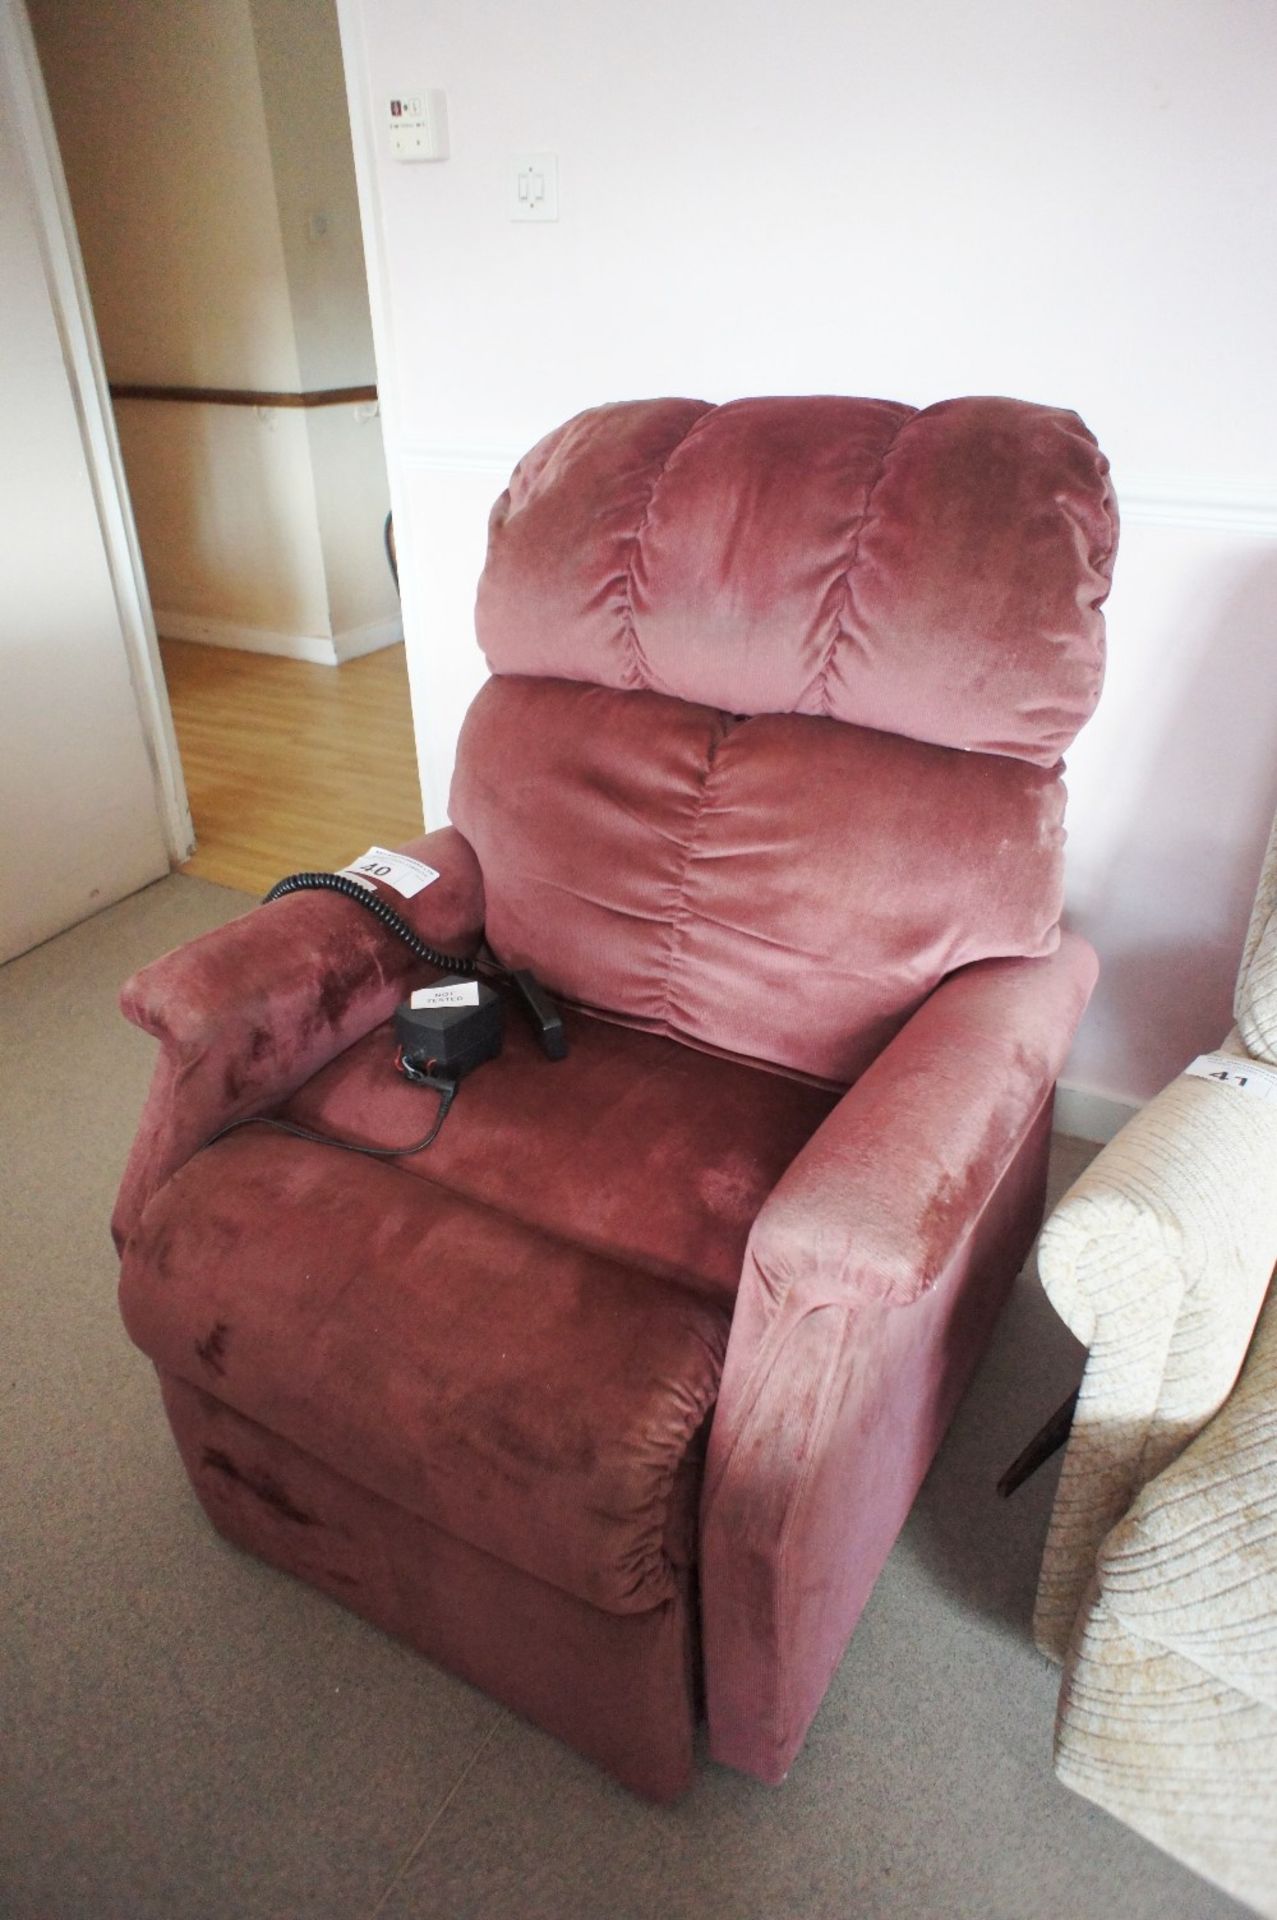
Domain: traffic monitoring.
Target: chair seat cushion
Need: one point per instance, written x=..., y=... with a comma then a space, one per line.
x=634, y=1146
x=539, y=1401
x=516, y=1335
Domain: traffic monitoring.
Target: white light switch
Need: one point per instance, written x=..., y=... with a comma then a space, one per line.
x=534, y=186
x=418, y=125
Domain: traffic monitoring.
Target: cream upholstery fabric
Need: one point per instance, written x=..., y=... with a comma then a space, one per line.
x=1168, y=1712
x=1159, y=1582
x=1158, y=1260
x=1255, y=1001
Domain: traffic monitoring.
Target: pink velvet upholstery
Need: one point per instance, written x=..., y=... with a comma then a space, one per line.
x=615, y=1398
x=507, y=1386
x=672, y=1152
x=743, y=888
x=880, y=1258
x=936, y=574
x=620, y=1688
x=249, y=1012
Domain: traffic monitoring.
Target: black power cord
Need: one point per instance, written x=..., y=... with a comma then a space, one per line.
x=547, y=1022
x=446, y=1089
x=544, y=1015
x=392, y=552
x=374, y=904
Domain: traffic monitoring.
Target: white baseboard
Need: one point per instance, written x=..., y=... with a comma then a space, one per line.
x=370, y=639
x=322, y=650
x=1090, y=1116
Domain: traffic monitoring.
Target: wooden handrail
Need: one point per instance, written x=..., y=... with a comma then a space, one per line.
x=241, y=396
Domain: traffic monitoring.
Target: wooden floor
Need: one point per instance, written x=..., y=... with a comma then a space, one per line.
x=289, y=765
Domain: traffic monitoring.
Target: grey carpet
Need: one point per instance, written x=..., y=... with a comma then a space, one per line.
x=185, y=1733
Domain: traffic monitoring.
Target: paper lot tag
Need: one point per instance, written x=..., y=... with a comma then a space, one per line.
x=397, y=870
x=1248, y=1076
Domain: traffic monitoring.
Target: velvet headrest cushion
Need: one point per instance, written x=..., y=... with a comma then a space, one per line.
x=936, y=574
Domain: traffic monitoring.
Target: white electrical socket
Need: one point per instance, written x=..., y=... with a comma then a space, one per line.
x=418, y=125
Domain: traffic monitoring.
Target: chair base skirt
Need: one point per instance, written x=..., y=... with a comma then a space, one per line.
x=1173, y=1751
x=619, y=1688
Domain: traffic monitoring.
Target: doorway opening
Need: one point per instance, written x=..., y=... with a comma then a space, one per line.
x=207, y=153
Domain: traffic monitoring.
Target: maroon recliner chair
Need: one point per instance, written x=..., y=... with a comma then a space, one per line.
x=614, y=1399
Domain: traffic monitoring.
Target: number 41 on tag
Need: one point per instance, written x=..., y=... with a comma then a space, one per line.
x=1248, y=1076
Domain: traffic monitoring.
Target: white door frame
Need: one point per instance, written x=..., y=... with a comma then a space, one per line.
x=22, y=94
x=363, y=140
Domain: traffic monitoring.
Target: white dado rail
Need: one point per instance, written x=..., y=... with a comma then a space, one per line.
x=1229, y=505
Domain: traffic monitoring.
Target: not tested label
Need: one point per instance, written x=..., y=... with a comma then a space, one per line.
x=1248, y=1076
x=397, y=870
x=457, y=993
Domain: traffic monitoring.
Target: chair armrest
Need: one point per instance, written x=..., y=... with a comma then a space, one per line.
x=1158, y=1259
x=249, y=1012
x=871, y=1280
x=874, y=1205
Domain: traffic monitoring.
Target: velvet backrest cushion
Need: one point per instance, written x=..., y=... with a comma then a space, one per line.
x=936, y=574
x=780, y=692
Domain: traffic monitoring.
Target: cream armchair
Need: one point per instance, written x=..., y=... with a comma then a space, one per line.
x=1168, y=1711
x=1159, y=1581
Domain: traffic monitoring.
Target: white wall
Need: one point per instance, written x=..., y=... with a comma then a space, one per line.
x=225, y=497
x=199, y=139
x=80, y=813
x=303, y=91
x=162, y=130
x=1069, y=200
x=348, y=465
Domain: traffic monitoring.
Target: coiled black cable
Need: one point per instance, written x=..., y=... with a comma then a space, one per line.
x=392, y=552
x=374, y=904
x=546, y=1019
x=431, y=956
